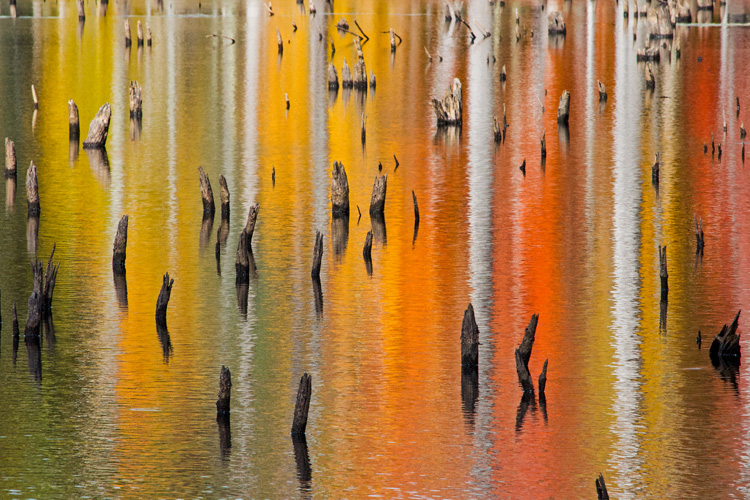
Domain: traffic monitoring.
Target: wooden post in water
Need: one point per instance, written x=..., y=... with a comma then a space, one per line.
x=543, y=379
x=523, y=354
x=224, y=195
x=302, y=406
x=339, y=190
x=10, y=158
x=148, y=34
x=32, y=191
x=163, y=301
x=602, y=91
x=663, y=273
x=699, y=241
x=726, y=345
x=601, y=488
x=136, y=99
x=377, y=201
x=563, y=108
x=449, y=111
x=416, y=208
x=367, y=250
x=333, y=78
x=50, y=278
x=120, y=246
x=127, y=33
x=469, y=340
x=252, y=217
x=317, y=256
x=225, y=394
x=81, y=12
x=74, y=129
x=139, y=33
x=99, y=128
x=207, y=194
x=242, y=262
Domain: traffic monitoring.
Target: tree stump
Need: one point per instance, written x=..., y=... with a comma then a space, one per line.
x=136, y=100
x=650, y=80
x=99, y=128
x=449, y=111
x=16, y=332
x=663, y=273
x=10, y=158
x=81, y=12
x=279, y=41
x=252, y=217
x=206, y=193
x=32, y=191
x=225, y=394
x=346, y=76
x=139, y=33
x=497, y=132
x=601, y=488
x=163, y=301
x=602, y=91
x=302, y=406
x=544, y=144
x=469, y=339
x=528, y=339
x=727, y=343
x=333, y=77
x=74, y=129
x=242, y=262
x=224, y=195
x=127, y=33
x=524, y=377
x=503, y=74
x=360, y=75
x=377, y=201
x=555, y=23
x=543, y=379
x=339, y=190
x=416, y=207
x=317, y=256
x=699, y=241
x=120, y=246
x=563, y=108
x=655, y=170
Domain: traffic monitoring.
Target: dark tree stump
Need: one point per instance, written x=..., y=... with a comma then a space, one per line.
x=544, y=144
x=416, y=207
x=120, y=246
x=563, y=108
x=81, y=12
x=543, y=379
x=74, y=129
x=377, y=201
x=252, y=217
x=302, y=406
x=727, y=343
x=601, y=488
x=225, y=393
x=339, y=190
x=242, y=262
x=317, y=256
x=34, y=318
x=224, y=195
x=699, y=240
x=528, y=339
x=139, y=33
x=10, y=158
x=367, y=250
x=163, y=301
x=663, y=273
x=32, y=191
x=136, y=99
x=99, y=128
x=522, y=369
x=206, y=193
x=556, y=24
x=449, y=111
x=469, y=339
x=346, y=75
x=333, y=77
x=279, y=41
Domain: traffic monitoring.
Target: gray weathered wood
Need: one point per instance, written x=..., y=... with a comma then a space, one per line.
x=469, y=339
x=556, y=24
x=346, y=75
x=449, y=110
x=302, y=405
x=377, y=201
x=120, y=246
x=139, y=33
x=74, y=129
x=136, y=98
x=148, y=34
x=207, y=193
x=563, y=108
x=81, y=11
x=317, y=256
x=32, y=191
x=225, y=394
x=10, y=158
x=224, y=195
x=99, y=128
x=339, y=190
x=163, y=301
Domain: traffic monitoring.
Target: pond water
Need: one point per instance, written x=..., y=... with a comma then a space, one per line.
x=109, y=407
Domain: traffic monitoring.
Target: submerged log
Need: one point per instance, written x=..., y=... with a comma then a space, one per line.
x=469, y=339
x=139, y=33
x=163, y=301
x=74, y=129
x=601, y=488
x=555, y=23
x=32, y=191
x=377, y=201
x=127, y=33
x=302, y=406
x=449, y=111
x=727, y=343
x=346, y=76
x=602, y=91
x=225, y=394
x=663, y=273
x=120, y=246
x=650, y=80
x=207, y=194
x=333, y=77
x=136, y=100
x=99, y=128
x=563, y=108
x=224, y=195
x=10, y=158
x=339, y=190
x=317, y=256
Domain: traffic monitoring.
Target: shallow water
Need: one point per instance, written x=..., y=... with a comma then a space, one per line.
x=111, y=408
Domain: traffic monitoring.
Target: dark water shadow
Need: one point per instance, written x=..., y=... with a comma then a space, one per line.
x=48, y=325
x=73, y=149
x=416, y=232
x=207, y=225
x=99, y=164
x=543, y=407
x=34, y=350
x=563, y=133
x=527, y=403
x=340, y=235
x=32, y=234
x=136, y=123
x=379, y=233
x=304, y=468
x=121, y=288
x=448, y=135
x=469, y=393
x=243, y=291
x=728, y=370
x=10, y=192
x=318, y=293
x=165, y=341
x=663, y=305
x=225, y=436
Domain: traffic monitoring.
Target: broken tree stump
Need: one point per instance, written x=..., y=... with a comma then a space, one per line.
x=317, y=256
x=339, y=190
x=503, y=74
x=602, y=91
x=563, y=108
x=359, y=78
x=34, y=314
x=99, y=128
x=727, y=343
x=302, y=406
x=555, y=23
x=279, y=41
x=528, y=339
x=148, y=34
x=225, y=394
x=207, y=194
x=50, y=279
x=601, y=488
x=346, y=76
x=524, y=377
x=699, y=241
x=120, y=245
x=163, y=301
x=224, y=195
x=543, y=379
x=127, y=33
x=377, y=201
x=663, y=273
x=136, y=100
x=449, y=110
x=242, y=262
x=416, y=207
x=333, y=78
x=252, y=217
x=32, y=191
x=74, y=129
x=10, y=158
x=139, y=33
x=469, y=339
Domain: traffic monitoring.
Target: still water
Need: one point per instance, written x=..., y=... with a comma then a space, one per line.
x=114, y=409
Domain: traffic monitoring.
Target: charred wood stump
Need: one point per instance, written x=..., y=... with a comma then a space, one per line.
x=136, y=99
x=99, y=128
x=317, y=256
x=524, y=377
x=224, y=195
x=120, y=246
x=163, y=301
x=302, y=406
x=449, y=110
x=726, y=345
x=10, y=158
x=377, y=201
x=663, y=273
x=469, y=339
x=333, y=77
x=563, y=108
x=601, y=488
x=206, y=193
x=699, y=241
x=127, y=33
x=225, y=394
x=339, y=190
x=32, y=191
x=74, y=129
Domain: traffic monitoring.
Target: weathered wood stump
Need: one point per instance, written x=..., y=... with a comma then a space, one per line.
x=377, y=201
x=393, y=40
x=449, y=111
x=373, y=83
x=496, y=130
x=601, y=488
x=252, y=217
x=602, y=91
x=224, y=195
x=50, y=279
x=650, y=80
x=120, y=246
x=148, y=34
x=242, y=262
x=705, y=4
x=342, y=24
x=663, y=273
x=543, y=379
x=524, y=377
x=469, y=339
x=10, y=158
x=339, y=190
x=13, y=9
x=163, y=301
x=139, y=33
x=683, y=14
x=661, y=24
x=81, y=12
x=655, y=170
x=528, y=339
x=74, y=129
x=563, y=108
x=648, y=53
x=503, y=74
x=555, y=23
x=99, y=128
x=726, y=344
x=367, y=250
x=302, y=406
x=346, y=76
x=359, y=79
x=136, y=99
x=32, y=191
x=333, y=77
x=225, y=394
x=207, y=194
x=127, y=33
x=279, y=41
x=416, y=207
x=317, y=256
x=544, y=144
x=40, y=300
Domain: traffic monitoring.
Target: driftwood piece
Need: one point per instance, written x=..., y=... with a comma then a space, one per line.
x=339, y=190
x=416, y=207
x=74, y=129
x=10, y=158
x=302, y=405
x=163, y=301
x=224, y=195
x=225, y=394
x=663, y=273
x=346, y=76
x=139, y=33
x=727, y=343
x=563, y=108
x=317, y=256
x=469, y=339
x=602, y=91
x=120, y=246
x=555, y=23
x=127, y=33
x=449, y=110
x=136, y=99
x=32, y=191
x=377, y=201
x=543, y=379
x=99, y=128
x=601, y=488
x=333, y=78
x=207, y=194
